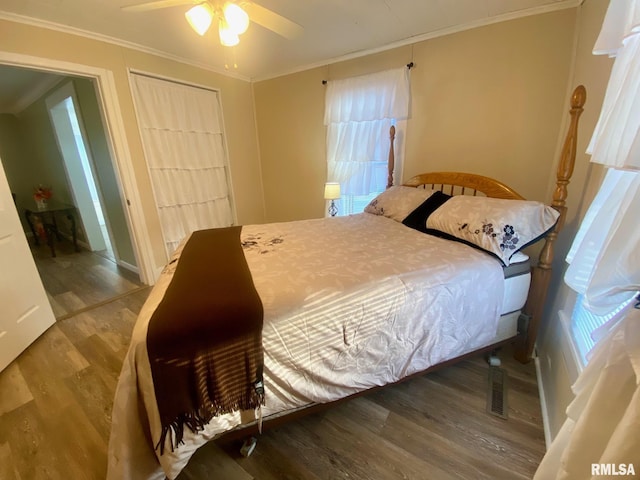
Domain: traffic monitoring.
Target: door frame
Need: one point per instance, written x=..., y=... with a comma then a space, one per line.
x=106, y=94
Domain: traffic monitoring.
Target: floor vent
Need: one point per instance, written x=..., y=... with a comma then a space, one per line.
x=497, y=393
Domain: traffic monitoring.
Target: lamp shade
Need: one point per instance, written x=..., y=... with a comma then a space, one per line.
x=228, y=37
x=200, y=17
x=331, y=190
x=236, y=17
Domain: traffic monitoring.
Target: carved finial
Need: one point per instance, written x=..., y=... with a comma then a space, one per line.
x=579, y=97
x=391, y=162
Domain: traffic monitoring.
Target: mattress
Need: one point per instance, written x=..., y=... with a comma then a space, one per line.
x=517, y=281
x=350, y=303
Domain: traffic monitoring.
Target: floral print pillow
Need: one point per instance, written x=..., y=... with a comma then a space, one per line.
x=398, y=201
x=498, y=226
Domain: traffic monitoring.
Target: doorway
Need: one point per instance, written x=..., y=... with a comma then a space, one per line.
x=60, y=140
x=76, y=155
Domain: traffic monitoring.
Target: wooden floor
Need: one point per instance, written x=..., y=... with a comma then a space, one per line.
x=56, y=398
x=77, y=280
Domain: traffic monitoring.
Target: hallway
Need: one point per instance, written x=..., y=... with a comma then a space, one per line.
x=76, y=281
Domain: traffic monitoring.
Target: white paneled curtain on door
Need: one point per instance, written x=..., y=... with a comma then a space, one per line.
x=601, y=435
x=358, y=114
x=184, y=147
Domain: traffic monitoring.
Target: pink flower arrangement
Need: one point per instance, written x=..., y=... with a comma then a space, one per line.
x=42, y=193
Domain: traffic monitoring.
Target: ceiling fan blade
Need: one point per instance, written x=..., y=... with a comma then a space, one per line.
x=143, y=7
x=271, y=20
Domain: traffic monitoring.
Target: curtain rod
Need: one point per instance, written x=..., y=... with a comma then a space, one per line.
x=410, y=65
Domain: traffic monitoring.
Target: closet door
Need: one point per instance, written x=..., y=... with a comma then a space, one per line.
x=185, y=149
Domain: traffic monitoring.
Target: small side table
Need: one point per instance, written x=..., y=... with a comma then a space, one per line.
x=47, y=216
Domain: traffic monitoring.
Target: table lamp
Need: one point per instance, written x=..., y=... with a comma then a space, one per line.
x=332, y=192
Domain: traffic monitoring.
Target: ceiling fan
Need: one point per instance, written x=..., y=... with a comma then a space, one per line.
x=233, y=17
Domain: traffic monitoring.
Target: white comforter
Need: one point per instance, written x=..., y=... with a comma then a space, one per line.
x=350, y=303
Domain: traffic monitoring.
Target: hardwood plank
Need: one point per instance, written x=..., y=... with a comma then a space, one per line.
x=14, y=388
x=450, y=415
x=74, y=280
x=33, y=452
x=81, y=447
x=58, y=309
x=356, y=452
x=212, y=462
x=94, y=396
x=7, y=469
x=99, y=354
x=443, y=451
x=70, y=301
x=270, y=461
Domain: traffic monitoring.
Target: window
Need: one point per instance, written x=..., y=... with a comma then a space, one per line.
x=585, y=323
x=359, y=112
x=603, y=260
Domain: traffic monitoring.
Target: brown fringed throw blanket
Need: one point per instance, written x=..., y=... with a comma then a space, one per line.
x=205, y=337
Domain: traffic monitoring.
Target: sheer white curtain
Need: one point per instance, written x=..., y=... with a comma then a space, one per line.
x=603, y=421
x=184, y=147
x=605, y=255
x=358, y=113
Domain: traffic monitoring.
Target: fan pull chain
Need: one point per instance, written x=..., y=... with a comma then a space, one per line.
x=232, y=52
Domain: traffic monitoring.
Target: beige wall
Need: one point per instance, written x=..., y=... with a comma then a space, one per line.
x=557, y=365
x=289, y=113
x=488, y=100
x=236, y=98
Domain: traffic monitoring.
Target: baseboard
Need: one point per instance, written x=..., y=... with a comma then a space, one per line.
x=128, y=266
x=543, y=404
x=84, y=245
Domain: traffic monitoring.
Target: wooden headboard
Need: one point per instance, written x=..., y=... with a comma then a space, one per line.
x=459, y=183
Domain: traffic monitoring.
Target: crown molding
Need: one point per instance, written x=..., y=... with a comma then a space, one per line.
x=558, y=5
x=562, y=5
x=35, y=22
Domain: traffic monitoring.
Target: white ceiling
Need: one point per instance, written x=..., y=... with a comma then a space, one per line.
x=333, y=29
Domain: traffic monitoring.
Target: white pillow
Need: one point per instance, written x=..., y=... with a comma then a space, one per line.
x=398, y=201
x=498, y=226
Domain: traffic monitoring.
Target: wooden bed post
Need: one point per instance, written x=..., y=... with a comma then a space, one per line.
x=541, y=276
x=392, y=160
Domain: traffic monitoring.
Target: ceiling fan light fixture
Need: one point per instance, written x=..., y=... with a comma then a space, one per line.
x=237, y=19
x=228, y=37
x=200, y=17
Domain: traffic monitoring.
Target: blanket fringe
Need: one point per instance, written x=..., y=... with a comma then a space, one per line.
x=196, y=421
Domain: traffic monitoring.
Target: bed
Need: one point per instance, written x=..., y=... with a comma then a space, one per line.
x=358, y=302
